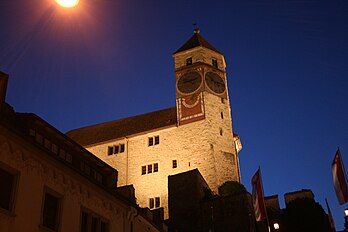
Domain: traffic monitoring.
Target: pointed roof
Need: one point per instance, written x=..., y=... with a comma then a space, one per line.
x=196, y=41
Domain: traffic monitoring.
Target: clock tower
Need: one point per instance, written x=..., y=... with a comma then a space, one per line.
x=199, y=69
x=202, y=103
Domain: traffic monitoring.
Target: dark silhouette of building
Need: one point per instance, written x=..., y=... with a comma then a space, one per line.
x=193, y=207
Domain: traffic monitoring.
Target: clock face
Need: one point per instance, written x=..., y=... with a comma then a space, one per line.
x=215, y=82
x=189, y=82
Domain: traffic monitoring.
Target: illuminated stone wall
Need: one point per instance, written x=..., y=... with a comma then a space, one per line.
x=37, y=172
x=207, y=145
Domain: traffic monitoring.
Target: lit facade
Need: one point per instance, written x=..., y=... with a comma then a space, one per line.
x=195, y=134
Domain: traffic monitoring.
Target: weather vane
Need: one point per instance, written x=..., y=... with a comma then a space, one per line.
x=195, y=28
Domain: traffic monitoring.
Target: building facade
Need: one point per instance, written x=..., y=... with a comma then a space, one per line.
x=51, y=183
x=195, y=134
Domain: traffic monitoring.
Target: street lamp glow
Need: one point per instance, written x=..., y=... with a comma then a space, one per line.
x=67, y=3
x=346, y=212
x=276, y=226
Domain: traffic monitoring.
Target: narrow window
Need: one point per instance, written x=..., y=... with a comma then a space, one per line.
x=8, y=182
x=39, y=138
x=151, y=141
x=47, y=144
x=222, y=115
x=157, y=202
x=149, y=168
x=143, y=170
x=110, y=150
x=122, y=148
x=50, y=213
x=104, y=226
x=222, y=100
x=94, y=225
x=84, y=222
x=157, y=140
x=214, y=63
x=117, y=149
x=151, y=203
x=220, y=131
x=155, y=167
x=68, y=158
x=175, y=164
x=188, y=61
x=54, y=148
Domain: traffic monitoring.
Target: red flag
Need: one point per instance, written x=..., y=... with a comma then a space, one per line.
x=339, y=179
x=331, y=221
x=258, y=197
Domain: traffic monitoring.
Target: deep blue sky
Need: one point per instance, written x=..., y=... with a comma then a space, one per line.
x=108, y=59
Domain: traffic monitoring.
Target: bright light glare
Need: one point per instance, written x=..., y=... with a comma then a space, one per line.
x=67, y=3
x=276, y=226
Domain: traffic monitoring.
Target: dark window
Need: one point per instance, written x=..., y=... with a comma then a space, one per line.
x=117, y=148
x=110, y=150
x=50, y=212
x=7, y=181
x=149, y=168
x=143, y=170
x=222, y=100
x=155, y=167
x=220, y=131
x=122, y=148
x=222, y=115
x=214, y=63
x=156, y=139
x=94, y=225
x=151, y=203
x=47, y=144
x=157, y=202
x=188, y=61
x=91, y=222
x=175, y=164
x=151, y=141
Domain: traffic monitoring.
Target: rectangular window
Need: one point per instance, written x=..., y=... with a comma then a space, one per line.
x=155, y=167
x=117, y=148
x=91, y=222
x=175, y=164
x=188, y=61
x=54, y=148
x=149, y=168
x=151, y=203
x=110, y=150
x=50, y=212
x=8, y=185
x=122, y=148
x=157, y=202
x=151, y=141
x=143, y=170
x=39, y=138
x=47, y=144
x=214, y=63
x=68, y=158
x=222, y=115
x=157, y=140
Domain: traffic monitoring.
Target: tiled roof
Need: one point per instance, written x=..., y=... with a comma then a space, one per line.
x=124, y=127
x=196, y=41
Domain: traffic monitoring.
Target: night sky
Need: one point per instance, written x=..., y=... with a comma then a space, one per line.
x=108, y=59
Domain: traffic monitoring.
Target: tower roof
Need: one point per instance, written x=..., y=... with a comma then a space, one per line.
x=196, y=41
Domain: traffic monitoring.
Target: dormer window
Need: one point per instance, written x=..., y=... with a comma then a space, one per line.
x=188, y=61
x=214, y=63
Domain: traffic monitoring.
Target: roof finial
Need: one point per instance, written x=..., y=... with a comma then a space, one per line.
x=196, y=29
